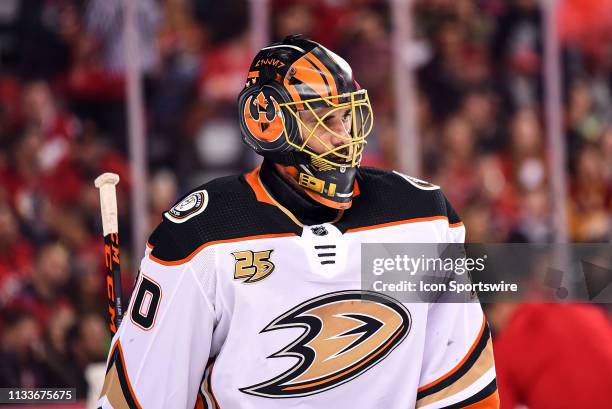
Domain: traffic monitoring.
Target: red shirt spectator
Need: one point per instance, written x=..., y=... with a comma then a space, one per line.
x=222, y=74
x=552, y=356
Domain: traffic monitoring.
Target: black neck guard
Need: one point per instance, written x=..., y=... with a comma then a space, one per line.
x=304, y=208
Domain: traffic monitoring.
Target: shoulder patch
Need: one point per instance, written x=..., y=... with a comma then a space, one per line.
x=418, y=183
x=190, y=206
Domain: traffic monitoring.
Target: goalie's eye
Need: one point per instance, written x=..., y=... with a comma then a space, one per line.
x=346, y=117
x=329, y=119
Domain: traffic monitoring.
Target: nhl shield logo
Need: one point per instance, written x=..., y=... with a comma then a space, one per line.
x=319, y=230
x=191, y=206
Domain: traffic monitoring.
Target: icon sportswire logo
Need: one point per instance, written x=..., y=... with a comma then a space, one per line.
x=346, y=333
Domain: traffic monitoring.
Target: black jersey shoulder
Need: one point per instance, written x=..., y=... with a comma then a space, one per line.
x=386, y=197
x=231, y=212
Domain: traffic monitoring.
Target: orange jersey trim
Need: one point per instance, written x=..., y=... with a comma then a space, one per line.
x=209, y=387
x=199, y=402
x=326, y=202
x=263, y=196
x=490, y=402
x=465, y=358
x=252, y=178
x=212, y=243
x=458, y=224
x=397, y=223
x=127, y=379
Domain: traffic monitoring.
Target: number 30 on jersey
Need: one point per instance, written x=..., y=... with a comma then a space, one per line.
x=146, y=303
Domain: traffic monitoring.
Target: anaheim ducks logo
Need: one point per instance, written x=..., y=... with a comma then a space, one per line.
x=263, y=120
x=346, y=333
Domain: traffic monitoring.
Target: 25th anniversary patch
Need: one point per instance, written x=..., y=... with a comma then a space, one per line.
x=191, y=206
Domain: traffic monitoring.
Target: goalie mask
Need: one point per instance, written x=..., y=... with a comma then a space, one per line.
x=302, y=109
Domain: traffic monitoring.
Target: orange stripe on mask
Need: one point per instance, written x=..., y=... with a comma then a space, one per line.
x=327, y=73
x=312, y=76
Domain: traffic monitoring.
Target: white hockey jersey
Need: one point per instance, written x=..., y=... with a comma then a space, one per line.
x=239, y=305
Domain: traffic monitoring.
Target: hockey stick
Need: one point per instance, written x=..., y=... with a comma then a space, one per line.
x=108, y=205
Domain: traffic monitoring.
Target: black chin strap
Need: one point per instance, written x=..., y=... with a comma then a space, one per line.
x=304, y=208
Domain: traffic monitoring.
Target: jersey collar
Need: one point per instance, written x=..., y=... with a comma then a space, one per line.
x=269, y=187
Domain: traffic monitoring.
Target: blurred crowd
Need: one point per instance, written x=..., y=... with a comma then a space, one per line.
x=480, y=117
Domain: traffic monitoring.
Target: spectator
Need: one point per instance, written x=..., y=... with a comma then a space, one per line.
x=606, y=150
x=295, y=17
x=478, y=217
x=45, y=291
x=221, y=76
x=526, y=163
x=22, y=352
x=533, y=361
x=534, y=221
x=56, y=351
x=86, y=343
x=479, y=108
x=590, y=204
x=15, y=256
x=457, y=173
x=517, y=50
x=163, y=193
x=57, y=128
x=442, y=77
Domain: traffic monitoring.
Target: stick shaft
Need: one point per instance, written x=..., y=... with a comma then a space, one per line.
x=110, y=226
x=113, y=280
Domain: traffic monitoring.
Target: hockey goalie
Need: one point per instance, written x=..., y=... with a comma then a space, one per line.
x=249, y=294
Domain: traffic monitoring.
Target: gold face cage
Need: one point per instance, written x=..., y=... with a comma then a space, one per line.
x=347, y=154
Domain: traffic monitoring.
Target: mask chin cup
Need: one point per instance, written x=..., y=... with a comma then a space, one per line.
x=331, y=187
